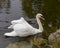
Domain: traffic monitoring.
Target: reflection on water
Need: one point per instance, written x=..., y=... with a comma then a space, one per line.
x=32, y=7
x=4, y=6
x=28, y=43
x=22, y=44
x=11, y=9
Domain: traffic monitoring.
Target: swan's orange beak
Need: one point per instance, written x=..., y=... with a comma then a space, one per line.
x=42, y=18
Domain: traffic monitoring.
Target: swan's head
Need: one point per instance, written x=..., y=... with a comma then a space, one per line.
x=39, y=15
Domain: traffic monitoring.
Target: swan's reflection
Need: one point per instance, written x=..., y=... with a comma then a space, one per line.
x=30, y=42
x=23, y=43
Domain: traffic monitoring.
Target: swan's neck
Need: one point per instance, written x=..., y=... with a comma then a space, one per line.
x=40, y=24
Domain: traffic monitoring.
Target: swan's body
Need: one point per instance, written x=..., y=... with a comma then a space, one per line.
x=25, y=29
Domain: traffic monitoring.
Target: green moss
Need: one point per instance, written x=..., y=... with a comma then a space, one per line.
x=55, y=43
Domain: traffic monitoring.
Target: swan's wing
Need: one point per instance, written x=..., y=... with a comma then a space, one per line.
x=15, y=21
x=20, y=21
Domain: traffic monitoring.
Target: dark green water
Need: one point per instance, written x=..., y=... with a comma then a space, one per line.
x=49, y=8
x=14, y=9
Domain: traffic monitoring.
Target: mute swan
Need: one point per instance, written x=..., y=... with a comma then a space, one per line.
x=25, y=29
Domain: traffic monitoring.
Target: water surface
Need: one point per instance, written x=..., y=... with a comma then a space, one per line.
x=14, y=9
x=9, y=10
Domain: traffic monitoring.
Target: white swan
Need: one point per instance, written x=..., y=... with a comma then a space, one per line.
x=26, y=29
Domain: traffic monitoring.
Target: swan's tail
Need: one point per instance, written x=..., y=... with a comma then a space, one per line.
x=13, y=33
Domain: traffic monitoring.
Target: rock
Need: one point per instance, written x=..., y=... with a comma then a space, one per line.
x=54, y=39
x=39, y=41
x=55, y=35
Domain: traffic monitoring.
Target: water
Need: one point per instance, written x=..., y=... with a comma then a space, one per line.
x=9, y=10
x=14, y=9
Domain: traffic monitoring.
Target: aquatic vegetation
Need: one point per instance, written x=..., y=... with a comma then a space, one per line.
x=31, y=7
x=39, y=41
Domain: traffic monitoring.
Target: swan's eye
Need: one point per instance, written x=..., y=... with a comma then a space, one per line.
x=42, y=17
